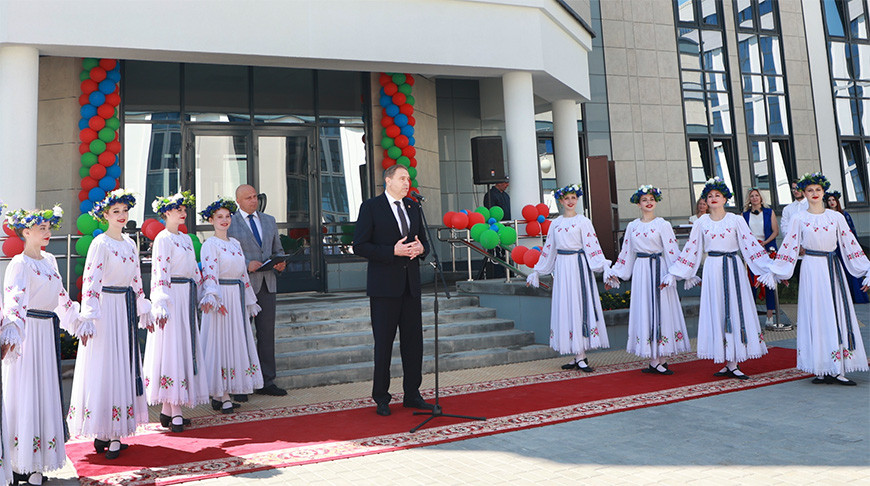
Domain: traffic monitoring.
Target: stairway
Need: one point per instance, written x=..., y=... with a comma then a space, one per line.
x=326, y=339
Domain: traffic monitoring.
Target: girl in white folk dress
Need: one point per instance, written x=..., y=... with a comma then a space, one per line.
x=174, y=367
x=228, y=303
x=656, y=328
x=37, y=306
x=829, y=343
x=108, y=394
x=728, y=327
x=571, y=254
x=9, y=338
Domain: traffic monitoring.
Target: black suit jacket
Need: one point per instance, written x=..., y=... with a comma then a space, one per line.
x=374, y=238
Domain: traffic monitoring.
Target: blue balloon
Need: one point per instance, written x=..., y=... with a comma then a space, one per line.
x=536, y=248
x=96, y=98
x=114, y=170
x=494, y=228
x=541, y=219
x=107, y=86
x=107, y=184
x=408, y=131
x=88, y=111
x=465, y=211
x=492, y=221
x=392, y=110
x=386, y=101
x=115, y=74
x=83, y=123
x=401, y=119
x=86, y=206
x=411, y=141
x=97, y=232
x=381, y=92
x=96, y=194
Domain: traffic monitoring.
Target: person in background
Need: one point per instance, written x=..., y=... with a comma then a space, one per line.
x=498, y=196
x=798, y=205
x=700, y=210
x=762, y=222
x=832, y=200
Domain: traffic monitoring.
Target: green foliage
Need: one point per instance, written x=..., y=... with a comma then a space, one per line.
x=615, y=300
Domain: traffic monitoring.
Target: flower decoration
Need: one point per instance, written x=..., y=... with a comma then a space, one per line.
x=22, y=219
x=569, y=189
x=117, y=196
x=165, y=203
x=222, y=202
x=815, y=178
x=835, y=194
x=716, y=184
x=646, y=189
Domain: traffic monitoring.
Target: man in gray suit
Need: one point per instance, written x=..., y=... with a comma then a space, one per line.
x=258, y=234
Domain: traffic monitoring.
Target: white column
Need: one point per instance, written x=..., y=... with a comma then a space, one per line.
x=19, y=99
x=566, y=142
x=521, y=142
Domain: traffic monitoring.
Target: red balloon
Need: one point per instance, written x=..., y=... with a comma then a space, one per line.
x=401, y=141
x=106, y=111
x=531, y=257
x=533, y=228
x=79, y=281
x=98, y=74
x=108, y=64
x=384, y=79
x=413, y=162
x=543, y=209
x=83, y=194
x=113, y=99
x=182, y=228
x=88, y=135
x=98, y=171
x=390, y=89
x=117, y=183
x=145, y=224
x=447, y=218
x=393, y=131
x=459, y=221
x=545, y=227
x=8, y=230
x=106, y=158
x=89, y=183
x=387, y=163
x=475, y=218
x=412, y=121
x=399, y=99
x=409, y=80
x=114, y=146
x=96, y=123
x=406, y=109
x=409, y=151
x=518, y=253
x=530, y=213
x=89, y=86
x=84, y=99
x=84, y=148
x=13, y=246
x=152, y=230
x=387, y=121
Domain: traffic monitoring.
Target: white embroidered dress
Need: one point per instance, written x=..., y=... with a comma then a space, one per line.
x=174, y=366
x=573, y=291
x=31, y=391
x=104, y=401
x=730, y=234
x=825, y=317
x=232, y=364
x=654, y=316
x=8, y=335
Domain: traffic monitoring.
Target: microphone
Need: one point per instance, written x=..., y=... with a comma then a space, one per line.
x=420, y=198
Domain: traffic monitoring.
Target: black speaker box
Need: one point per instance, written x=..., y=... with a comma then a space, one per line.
x=487, y=160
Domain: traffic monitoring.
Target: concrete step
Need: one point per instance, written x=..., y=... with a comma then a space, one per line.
x=288, y=311
x=362, y=371
x=334, y=340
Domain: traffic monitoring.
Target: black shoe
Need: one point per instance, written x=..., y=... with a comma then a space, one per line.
x=655, y=371
x=239, y=398
x=271, y=390
x=229, y=410
x=418, y=403
x=383, y=409
x=722, y=373
x=583, y=366
x=110, y=454
x=177, y=428
x=824, y=380
x=219, y=405
x=846, y=382
x=23, y=479
x=166, y=420
x=571, y=366
x=102, y=445
x=741, y=376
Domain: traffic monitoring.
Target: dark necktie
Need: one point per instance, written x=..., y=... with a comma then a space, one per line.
x=255, y=230
x=403, y=224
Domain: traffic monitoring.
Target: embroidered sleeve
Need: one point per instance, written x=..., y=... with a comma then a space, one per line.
x=161, y=278
x=854, y=258
x=593, y=250
x=624, y=263
x=753, y=253
x=15, y=301
x=67, y=310
x=210, y=292
x=670, y=247
x=143, y=305
x=547, y=262
x=92, y=280
x=687, y=262
x=786, y=256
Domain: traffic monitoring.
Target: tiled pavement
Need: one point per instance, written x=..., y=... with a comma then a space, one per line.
x=790, y=433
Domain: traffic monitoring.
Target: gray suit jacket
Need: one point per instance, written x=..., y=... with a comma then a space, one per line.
x=240, y=229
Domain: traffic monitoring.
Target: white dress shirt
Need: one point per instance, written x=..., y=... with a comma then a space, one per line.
x=395, y=209
x=790, y=211
x=256, y=221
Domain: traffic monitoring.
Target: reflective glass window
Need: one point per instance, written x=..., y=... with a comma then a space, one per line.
x=152, y=161
x=777, y=116
x=745, y=14
x=152, y=87
x=850, y=156
x=833, y=18
x=339, y=97
x=283, y=95
x=857, y=18
x=756, y=118
x=780, y=154
x=686, y=10
x=216, y=93
x=709, y=12
x=765, y=13
x=720, y=112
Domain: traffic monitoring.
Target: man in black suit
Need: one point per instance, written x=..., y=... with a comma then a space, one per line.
x=389, y=233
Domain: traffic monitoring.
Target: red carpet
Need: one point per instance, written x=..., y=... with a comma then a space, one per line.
x=222, y=445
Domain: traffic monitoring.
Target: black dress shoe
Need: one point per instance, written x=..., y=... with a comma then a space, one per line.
x=166, y=420
x=418, y=403
x=102, y=445
x=175, y=427
x=383, y=409
x=110, y=454
x=721, y=373
x=239, y=398
x=271, y=390
x=583, y=366
x=219, y=405
x=570, y=366
x=731, y=374
x=655, y=370
x=824, y=380
x=846, y=382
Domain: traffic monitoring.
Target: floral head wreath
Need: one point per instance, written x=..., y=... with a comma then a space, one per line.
x=716, y=184
x=222, y=202
x=834, y=194
x=569, y=189
x=166, y=203
x=22, y=219
x=117, y=196
x=814, y=178
x=643, y=190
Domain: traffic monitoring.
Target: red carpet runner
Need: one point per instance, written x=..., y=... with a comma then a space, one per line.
x=231, y=444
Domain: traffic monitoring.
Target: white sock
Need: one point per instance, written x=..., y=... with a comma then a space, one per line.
x=166, y=409
x=842, y=377
x=580, y=357
x=227, y=404
x=178, y=420
x=35, y=478
x=115, y=445
x=654, y=362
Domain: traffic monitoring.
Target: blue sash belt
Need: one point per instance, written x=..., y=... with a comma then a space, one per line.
x=44, y=314
x=732, y=257
x=581, y=261
x=655, y=267
x=192, y=286
x=835, y=272
x=132, y=331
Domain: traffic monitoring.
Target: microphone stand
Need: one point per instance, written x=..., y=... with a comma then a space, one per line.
x=439, y=272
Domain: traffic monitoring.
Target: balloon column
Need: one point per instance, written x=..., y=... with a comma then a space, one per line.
x=484, y=226
x=397, y=120
x=536, y=219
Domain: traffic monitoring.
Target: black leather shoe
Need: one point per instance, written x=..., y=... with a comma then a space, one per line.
x=239, y=398
x=177, y=428
x=219, y=405
x=846, y=382
x=110, y=454
x=741, y=376
x=721, y=373
x=383, y=409
x=583, y=366
x=102, y=445
x=570, y=366
x=655, y=371
x=418, y=403
x=271, y=390
x=166, y=420
x=825, y=380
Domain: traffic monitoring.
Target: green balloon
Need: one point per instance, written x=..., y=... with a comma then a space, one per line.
x=394, y=152
x=89, y=159
x=489, y=239
x=414, y=183
x=387, y=142
x=500, y=226
x=83, y=244
x=104, y=225
x=197, y=245
x=98, y=146
x=383, y=132
x=84, y=171
x=497, y=213
x=399, y=78
x=405, y=89
x=477, y=230
x=89, y=63
x=409, y=99
x=485, y=212
x=412, y=171
x=404, y=161
x=508, y=236
x=85, y=74
x=86, y=224
x=80, y=266
x=106, y=134
x=113, y=123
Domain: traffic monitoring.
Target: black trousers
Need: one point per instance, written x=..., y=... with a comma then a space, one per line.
x=264, y=323
x=389, y=314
